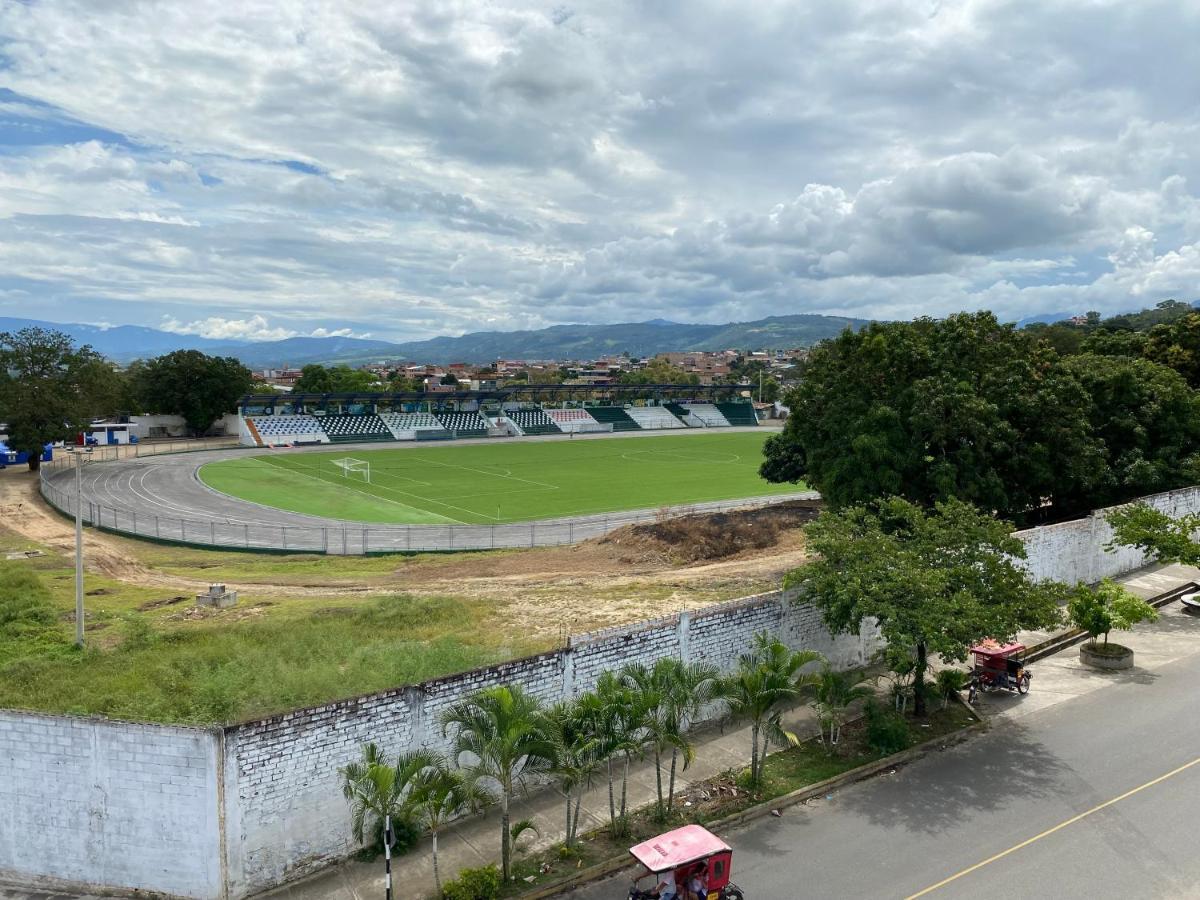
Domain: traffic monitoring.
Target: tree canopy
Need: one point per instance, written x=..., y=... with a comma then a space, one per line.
x=966, y=407
x=189, y=383
x=49, y=388
x=935, y=580
x=962, y=407
x=318, y=379
x=659, y=371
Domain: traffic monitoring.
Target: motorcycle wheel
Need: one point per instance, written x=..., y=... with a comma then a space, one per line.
x=972, y=692
x=1023, y=685
x=733, y=892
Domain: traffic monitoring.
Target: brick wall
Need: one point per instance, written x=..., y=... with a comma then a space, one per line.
x=89, y=802
x=286, y=814
x=1074, y=551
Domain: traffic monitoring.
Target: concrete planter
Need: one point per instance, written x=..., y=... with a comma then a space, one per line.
x=1109, y=657
x=1191, y=603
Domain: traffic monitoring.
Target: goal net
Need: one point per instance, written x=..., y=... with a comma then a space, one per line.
x=354, y=468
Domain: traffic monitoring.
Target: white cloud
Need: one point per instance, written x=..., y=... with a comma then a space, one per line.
x=255, y=328
x=459, y=165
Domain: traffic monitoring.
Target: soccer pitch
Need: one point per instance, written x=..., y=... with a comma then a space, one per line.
x=483, y=484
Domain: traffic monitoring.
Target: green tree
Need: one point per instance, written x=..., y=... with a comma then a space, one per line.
x=199, y=387
x=934, y=580
x=962, y=407
x=1107, y=606
x=576, y=746
x=499, y=741
x=1177, y=345
x=659, y=371
x=378, y=789
x=1164, y=538
x=687, y=689
x=767, y=678
x=618, y=715
x=317, y=379
x=47, y=388
x=1146, y=420
x=834, y=693
x=314, y=379
x=439, y=795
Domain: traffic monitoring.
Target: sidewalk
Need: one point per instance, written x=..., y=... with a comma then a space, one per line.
x=476, y=841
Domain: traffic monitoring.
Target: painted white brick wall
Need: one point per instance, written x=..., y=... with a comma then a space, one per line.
x=1074, y=551
x=89, y=802
x=290, y=817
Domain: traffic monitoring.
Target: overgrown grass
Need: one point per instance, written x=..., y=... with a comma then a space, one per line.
x=179, y=664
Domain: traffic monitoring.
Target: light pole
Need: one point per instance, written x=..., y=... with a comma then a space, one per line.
x=79, y=548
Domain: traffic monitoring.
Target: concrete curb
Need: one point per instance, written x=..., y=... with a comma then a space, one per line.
x=863, y=772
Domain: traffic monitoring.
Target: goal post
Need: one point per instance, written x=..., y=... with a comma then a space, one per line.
x=354, y=468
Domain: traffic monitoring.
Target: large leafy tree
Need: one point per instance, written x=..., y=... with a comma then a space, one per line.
x=198, y=387
x=499, y=740
x=1165, y=538
x=1147, y=422
x=49, y=388
x=1177, y=345
x=317, y=379
x=963, y=407
x=659, y=371
x=933, y=580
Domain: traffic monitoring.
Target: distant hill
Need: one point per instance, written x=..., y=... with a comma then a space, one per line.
x=635, y=338
x=129, y=342
x=124, y=342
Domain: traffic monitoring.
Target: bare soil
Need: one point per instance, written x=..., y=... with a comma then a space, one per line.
x=637, y=572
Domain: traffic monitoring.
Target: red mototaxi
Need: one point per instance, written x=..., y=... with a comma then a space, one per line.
x=999, y=667
x=681, y=853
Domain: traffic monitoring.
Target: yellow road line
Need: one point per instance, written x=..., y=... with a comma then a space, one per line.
x=1050, y=831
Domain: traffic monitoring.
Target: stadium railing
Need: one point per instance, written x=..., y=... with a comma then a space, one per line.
x=58, y=488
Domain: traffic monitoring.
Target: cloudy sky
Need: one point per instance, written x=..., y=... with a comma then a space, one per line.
x=412, y=168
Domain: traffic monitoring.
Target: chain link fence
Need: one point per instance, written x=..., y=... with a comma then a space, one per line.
x=58, y=488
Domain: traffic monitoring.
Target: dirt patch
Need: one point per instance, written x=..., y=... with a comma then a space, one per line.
x=99, y=592
x=159, y=604
x=714, y=536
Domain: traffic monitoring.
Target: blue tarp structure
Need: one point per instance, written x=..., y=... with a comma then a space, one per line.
x=13, y=458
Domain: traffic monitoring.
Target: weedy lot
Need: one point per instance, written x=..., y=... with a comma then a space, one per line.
x=508, y=482
x=309, y=629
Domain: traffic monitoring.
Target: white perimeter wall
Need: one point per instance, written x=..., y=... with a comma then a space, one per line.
x=286, y=813
x=1074, y=551
x=89, y=802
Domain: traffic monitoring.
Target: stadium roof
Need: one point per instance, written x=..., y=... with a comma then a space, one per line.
x=507, y=392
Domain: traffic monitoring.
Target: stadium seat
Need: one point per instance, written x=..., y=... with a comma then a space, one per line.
x=281, y=430
x=653, y=417
x=705, y=415
x=615, y=416
x=533, y=421
x=464, y=424
x=738, y=413
x=407, y=426
x=345, y=429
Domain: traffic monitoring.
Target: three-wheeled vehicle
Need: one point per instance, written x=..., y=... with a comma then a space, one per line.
x=998, y=667
x=679, y=856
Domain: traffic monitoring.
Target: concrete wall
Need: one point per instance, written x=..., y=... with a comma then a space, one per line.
x=1074, y=551
x=89, y=802
x=290, y=816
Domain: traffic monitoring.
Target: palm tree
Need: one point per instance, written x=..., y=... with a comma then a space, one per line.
x=617, y=715
x=659, y=727
x=689, y=688
x=833, y=694
x=766, y=679
x=576, y=756
x=498, y=741
x=378, y=789
x=439, y=795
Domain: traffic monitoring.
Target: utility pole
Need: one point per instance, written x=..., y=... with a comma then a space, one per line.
x=760, y=374
x=78, y=549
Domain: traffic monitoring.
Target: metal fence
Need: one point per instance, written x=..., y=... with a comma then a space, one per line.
x=58, y=488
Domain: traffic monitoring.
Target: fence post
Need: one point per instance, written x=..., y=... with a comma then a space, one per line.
x=283, y=535
x=156, y=531
x=364, y=541
x=212, y=531
x=325, y=538
x=246, y=534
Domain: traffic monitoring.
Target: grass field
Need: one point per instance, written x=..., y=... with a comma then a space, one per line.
x=503, y=482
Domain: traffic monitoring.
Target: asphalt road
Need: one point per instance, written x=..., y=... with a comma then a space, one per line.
x=1013, y=791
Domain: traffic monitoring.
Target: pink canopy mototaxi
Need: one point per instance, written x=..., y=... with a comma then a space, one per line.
x=998, y=666
x=688, y=855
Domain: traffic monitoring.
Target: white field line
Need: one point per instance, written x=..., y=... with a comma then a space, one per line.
x=408, y=506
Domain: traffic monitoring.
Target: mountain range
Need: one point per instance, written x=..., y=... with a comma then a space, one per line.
x=128, y=342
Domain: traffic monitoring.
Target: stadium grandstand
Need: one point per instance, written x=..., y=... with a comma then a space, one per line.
x=276, y=420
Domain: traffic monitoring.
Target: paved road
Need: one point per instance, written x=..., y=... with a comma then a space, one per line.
x=900, y=835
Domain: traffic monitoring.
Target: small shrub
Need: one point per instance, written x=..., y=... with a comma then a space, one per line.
x=950, y=682
x=887, y=730
x=474, y=884
x=24, y=601
x=139, y=634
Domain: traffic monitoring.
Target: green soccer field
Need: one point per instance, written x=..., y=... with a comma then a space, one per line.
x=482, y=484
